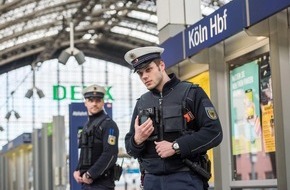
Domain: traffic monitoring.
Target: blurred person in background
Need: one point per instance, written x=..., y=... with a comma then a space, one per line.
x=98, y=142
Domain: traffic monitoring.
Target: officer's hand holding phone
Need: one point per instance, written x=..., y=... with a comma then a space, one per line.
x=142, y=131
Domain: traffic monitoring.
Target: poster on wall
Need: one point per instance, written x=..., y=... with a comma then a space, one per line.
x=245, y=109
x=268, y=128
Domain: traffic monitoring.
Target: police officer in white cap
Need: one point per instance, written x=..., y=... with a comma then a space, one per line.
x=172, y=127
x=98, y=142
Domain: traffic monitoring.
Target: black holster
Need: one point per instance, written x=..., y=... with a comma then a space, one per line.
x=117, y=172
x=199, y=168
x=196, y=167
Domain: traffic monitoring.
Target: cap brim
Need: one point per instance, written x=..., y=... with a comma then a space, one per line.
x=94, y=95
x=142, y=65
x=97, y=97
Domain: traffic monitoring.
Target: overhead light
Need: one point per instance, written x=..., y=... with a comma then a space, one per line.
x=65, y=55
x=16, y=114
x=39, y=93
x=80, y=57
x=8, y=114
x=29, y=93
x=71, y=51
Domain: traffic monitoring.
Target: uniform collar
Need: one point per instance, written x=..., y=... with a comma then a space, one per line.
x=94, y=116
x=169, y=85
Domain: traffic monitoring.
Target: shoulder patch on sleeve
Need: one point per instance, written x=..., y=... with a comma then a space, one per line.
x=112, y=140
x=111, y=137
x=211, y=113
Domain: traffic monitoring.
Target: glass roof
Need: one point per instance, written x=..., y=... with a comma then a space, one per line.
x=40, y=29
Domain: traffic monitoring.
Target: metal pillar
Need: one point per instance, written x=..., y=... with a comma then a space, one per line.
x=36, y=152
x=279, y=52
x=59, y=153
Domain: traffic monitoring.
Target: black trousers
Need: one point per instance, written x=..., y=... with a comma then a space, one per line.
x=176, y=181
x=95, y=187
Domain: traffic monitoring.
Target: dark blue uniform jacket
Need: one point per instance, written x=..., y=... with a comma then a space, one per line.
x=203, y=132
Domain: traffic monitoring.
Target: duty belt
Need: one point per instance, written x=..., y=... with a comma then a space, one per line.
x=183, y=169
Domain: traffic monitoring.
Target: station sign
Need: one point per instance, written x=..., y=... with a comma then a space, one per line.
x=226, y=21
x=221, y=24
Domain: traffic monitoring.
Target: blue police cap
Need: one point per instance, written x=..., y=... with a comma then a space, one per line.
x=140, y=57
x=94, y=91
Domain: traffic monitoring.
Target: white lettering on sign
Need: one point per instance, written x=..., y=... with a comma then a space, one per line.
x=218, y=24
x=238, y=76
x=79, y=113
x=239, y=80
x=199, y=34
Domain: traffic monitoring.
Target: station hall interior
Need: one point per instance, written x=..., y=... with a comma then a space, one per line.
x=238, y=51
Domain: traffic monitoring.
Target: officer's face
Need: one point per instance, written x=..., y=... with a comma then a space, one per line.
x=94, y=105
x=151, y=75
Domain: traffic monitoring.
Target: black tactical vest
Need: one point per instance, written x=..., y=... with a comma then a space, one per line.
x=90, y=143
x=171, y=109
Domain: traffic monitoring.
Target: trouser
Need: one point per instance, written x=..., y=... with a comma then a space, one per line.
x=175, y=181
x=95, y=187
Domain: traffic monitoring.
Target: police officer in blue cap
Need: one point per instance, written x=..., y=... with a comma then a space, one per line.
x=98, y=142
x=173, y=125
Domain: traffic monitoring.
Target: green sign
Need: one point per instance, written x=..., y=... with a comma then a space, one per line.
x=61, y=92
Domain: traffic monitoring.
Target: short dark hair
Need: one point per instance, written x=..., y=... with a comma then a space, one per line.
x=157, y=61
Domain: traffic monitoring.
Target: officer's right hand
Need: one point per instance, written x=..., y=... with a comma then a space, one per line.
x=143, y=131
x=77, y=176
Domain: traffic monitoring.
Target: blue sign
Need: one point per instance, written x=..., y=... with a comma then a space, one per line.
x=221, y=24
x=77, y=119
x=173, y=50
x=259, y=10
x=226, y=21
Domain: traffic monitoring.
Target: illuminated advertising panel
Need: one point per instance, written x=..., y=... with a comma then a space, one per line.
x=245, y=120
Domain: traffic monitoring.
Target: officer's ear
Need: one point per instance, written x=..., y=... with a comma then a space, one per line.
x=162, y=65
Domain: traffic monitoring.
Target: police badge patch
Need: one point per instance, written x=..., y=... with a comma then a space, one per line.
x=112, y=139
x=210, y=111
